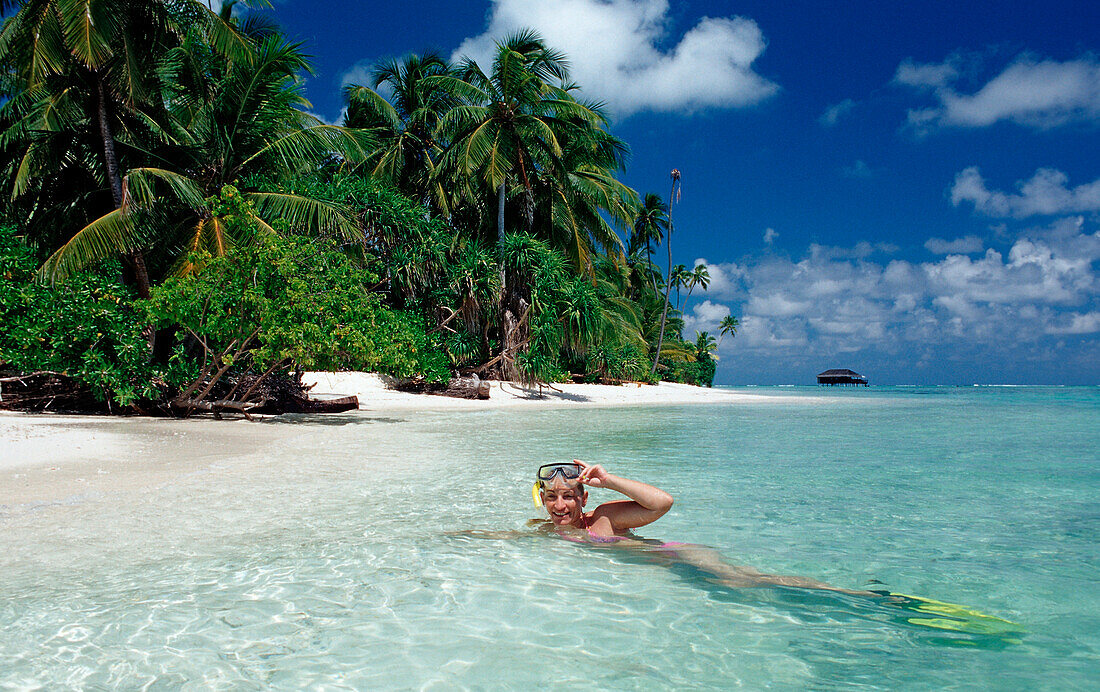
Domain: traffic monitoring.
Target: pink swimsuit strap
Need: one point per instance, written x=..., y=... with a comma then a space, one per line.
x=597, y=537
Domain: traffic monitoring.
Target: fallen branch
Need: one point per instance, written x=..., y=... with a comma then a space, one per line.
x=42, y=389
x=20, y=378
x=443, y=325
x=458, y=387
x=218, y=407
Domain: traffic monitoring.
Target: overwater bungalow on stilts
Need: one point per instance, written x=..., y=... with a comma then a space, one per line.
x=842, y=377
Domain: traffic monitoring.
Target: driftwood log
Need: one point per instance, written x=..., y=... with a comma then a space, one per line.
x=46, y=391
x=54, y=392
x=330, y=403
x=459, y=387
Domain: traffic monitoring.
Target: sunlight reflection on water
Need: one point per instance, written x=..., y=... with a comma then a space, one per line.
x=327, y=556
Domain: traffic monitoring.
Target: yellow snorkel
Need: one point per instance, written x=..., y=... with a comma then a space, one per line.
x=535, y=493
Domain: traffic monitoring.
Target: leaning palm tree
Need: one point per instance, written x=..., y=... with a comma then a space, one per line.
x=698, y=277
x=728, y=325
x=673, y=194
x=246, y=122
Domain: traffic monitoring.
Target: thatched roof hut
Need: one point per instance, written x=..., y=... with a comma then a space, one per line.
x=842, y=377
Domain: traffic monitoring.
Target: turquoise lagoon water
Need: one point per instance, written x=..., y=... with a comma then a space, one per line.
x=350, y=554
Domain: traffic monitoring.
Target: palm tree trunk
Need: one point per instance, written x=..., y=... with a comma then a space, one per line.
x=691, y=287
x=674, y=174
x=134, y=257
x=649, y=256
x=500, y=213
x=507, y=318
x=668, y=281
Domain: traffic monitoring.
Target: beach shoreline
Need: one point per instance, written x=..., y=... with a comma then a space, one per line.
x=49, y=458
x=375, y=394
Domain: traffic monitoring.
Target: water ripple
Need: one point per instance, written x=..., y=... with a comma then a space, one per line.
x=337, y=560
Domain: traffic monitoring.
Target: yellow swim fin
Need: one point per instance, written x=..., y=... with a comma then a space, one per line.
x=955, y=617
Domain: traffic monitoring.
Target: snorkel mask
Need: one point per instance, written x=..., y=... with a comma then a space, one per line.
x=569, y=471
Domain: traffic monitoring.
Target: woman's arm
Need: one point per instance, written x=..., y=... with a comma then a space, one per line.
x=645, y=506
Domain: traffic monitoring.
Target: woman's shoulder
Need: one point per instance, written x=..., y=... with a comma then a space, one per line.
x=598, y=523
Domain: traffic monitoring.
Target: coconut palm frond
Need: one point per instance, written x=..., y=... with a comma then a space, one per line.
x=107, y=236
x=315, y=143
x=367, y=108
x=314, y=216
x=139, y=185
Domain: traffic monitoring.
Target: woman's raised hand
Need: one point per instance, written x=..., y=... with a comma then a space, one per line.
x=593, y=475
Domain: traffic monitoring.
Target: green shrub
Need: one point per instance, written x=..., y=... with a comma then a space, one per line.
x=699, y=372
x=623, y=363
x=294, y=303
x=86, y=328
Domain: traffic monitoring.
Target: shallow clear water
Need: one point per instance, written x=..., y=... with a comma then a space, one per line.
x=336, y=559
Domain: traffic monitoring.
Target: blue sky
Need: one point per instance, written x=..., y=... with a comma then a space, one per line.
x=911, y=190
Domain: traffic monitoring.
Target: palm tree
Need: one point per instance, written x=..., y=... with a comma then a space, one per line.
x=673, y=194
x=221, y=128
x=621, y=316
x=705, y=346
x=106, y=48
x=645, y=278
x=728, y=325
x=513, y=121
x=650, y=225
x=699, y=277
x=681, y=277
x=516, y=126
x=406, y=122
x=576, y=193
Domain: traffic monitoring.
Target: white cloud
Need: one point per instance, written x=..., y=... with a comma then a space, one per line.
x=777, y=304
x=239, y=7
x=325, y=120
x=359, y=73
x=770, y=234
x=830, y=302
x=835, y=112
x=926, y=76
x=963, y=246
x=722, y=282
x=620, y=53
x=705, y=317
x=1046, y=193
x=860, y=250
x=1029, y=92
x=1076, y=323
x=767, y=335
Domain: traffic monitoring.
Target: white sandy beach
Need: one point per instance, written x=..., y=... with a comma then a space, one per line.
x=50, y=458
x=375, y=395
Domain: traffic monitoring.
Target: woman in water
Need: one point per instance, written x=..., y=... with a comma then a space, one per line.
x=561, y=489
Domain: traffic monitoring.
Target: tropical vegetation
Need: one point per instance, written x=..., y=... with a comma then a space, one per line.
x=180, y=233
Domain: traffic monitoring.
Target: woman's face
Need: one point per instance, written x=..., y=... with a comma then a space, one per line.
x=564, y=502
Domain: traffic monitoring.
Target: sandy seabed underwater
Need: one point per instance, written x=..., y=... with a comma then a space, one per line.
x=347, y=552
